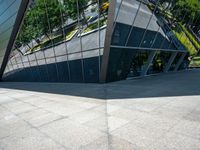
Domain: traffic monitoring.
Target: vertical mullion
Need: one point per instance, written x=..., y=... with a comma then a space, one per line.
x=144, y=34
x=52, y=43
x=80, y=33
x=99, y=35
x=149, y=61
x=170, y=61
x=46, y=67
x=180, y=61
x=65, y=43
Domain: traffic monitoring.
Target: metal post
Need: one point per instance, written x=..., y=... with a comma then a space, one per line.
x=149, y=61
x=180, y=61
x=109, y=31
x=171, y=60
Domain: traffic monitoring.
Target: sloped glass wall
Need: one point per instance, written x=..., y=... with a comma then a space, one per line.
x=8, y=13
x=60, y=41
x=157, y=26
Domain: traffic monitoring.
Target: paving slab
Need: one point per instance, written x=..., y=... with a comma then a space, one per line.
x=154, y=113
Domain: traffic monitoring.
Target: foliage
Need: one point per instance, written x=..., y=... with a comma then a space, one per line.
x=71, y=8
x=191, y=38
x=187, y=11
x=185, y=41
x=95, y=25
x=195, y=62
x=41, y=19
x=70, y=34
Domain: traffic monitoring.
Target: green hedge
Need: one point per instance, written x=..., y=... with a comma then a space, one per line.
x=190, y=36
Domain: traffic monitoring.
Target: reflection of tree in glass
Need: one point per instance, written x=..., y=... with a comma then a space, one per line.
x=187, y=11
x=36, y=20
x=71, y=8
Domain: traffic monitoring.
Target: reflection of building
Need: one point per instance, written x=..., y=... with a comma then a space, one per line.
x=132, y=44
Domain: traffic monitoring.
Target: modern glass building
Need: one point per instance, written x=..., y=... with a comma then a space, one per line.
x=90, y=41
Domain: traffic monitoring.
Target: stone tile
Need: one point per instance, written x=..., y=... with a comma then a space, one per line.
x=90, y=105
x=71, y=134
x=128, y=114
x=5, y=99
x=106, y=108
x=176, y=142
x=106, y=123
x=60, y=109
x=39, y=117
x=176, y=113
x=99, y=144
x=136, y=114
x=194, y=115
x=155, y=122
x=114, y=123
x=20, y=95
x=188, y=128
x=111, y=108
x=3, y=91
x=78, y=102
x=85, y=116
x=19, y=107
x=139, y=136
x=29, y=140
x=101, y=109
x=12, y=124
x=4, y=112
x=35, y=100
x=100, y=124
x=116, y=143
x=145, y=107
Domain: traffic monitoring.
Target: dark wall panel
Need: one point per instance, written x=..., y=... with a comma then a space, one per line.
x=91, y=69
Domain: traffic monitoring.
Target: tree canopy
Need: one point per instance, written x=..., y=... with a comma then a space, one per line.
x=186, y=11
x=41, y=19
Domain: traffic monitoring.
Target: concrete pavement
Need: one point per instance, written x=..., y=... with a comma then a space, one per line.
x=155, y=113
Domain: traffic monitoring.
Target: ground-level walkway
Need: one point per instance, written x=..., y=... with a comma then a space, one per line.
x=155, y=113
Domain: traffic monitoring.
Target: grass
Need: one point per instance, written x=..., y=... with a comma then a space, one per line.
x=191, y=37
x=195, y=62
x=70, y=34
x=55, y=39
x=48, y=42
x=182, y=37
x=95, y=25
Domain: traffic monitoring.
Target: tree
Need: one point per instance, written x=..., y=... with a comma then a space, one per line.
x=72, y=11
x=186, y=10
x=27, y=32
x=41, y=19
x=47, y=15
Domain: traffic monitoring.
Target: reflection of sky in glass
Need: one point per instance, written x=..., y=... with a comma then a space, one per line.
x=8, y=13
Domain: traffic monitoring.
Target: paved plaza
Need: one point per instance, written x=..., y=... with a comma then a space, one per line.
x=154, y=113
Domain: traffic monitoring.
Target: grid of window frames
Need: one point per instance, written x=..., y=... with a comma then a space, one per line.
x=149, y=37
x=60, y=41
x=8, y=14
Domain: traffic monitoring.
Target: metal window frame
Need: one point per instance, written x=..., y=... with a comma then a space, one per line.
x=107, y=44
x=18, y=21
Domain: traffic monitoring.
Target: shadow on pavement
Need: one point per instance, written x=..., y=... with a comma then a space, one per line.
x=184, y=83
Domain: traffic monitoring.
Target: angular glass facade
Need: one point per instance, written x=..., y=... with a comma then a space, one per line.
x=91, y=41
x=60, y=41
x=142, y=41
x=8, y=16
